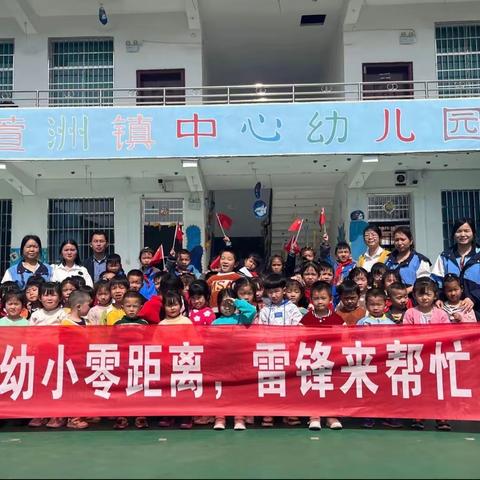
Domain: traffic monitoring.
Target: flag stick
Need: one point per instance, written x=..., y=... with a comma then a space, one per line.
x=299, y=230
x=163, y=258
x=174, y=236
x=220, y=225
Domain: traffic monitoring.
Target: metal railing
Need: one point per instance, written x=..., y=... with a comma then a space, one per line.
x=242, y=94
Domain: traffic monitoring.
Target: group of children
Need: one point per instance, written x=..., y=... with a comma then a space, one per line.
x=324, y=293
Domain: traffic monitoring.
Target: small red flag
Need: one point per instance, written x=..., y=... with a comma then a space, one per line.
x=322, y=220
x=158, y=257
x=296, y=225
x=287, y=247
x=225, y=221
x=215, y=263
x=179, y=233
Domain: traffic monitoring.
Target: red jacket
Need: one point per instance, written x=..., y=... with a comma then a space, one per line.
x=151, y=310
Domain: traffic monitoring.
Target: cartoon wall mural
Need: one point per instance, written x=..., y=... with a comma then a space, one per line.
x=194, y=246
x=357, y=226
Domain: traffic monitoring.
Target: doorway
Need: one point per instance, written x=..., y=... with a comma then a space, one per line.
x=160, y=87
x=397, y=75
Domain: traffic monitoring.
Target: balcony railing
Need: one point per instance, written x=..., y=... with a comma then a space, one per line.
x=242, y=94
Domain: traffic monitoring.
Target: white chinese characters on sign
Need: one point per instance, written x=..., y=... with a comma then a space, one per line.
x=315, y=370
x=142, y=365
x=102, y=359
x=58, y=392
x=14, y=380
x=407, y=359
x=271, y=359
x=359, y=369
x=186, y=369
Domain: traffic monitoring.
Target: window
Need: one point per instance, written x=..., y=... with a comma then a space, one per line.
x=5, y=234
x=389, y=211
x=158, y=87
x=81, y=71
x=458, y=59
x=6, y=69
x=457, y=204
x=77, y=218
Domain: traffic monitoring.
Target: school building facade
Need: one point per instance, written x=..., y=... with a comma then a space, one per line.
x=174, y=111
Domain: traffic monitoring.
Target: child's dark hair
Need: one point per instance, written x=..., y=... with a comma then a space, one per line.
x=78, y=297
x=226, y=292
x=378, y=268
x=391, y=272
x=274, y=280
x=348, y=287
x=243, y=282
x=160, y=275
x=49, y=288
x=357, y=271
x=291, y=283
x=171, y=283
x=258, y=282
x=257, y=259
x=187, y=278
x=229, y=250
x=9, y=286
x=133, y=295
x=88, y=290
x=342, y=245
x=307, y=249
x=199, y=287
x=172, y=298
x=451, y=278
x=325, y=267
x=307, y=265
x=145, y=250
x=14, y=295
x=70, y=281
x=395, y=286
x=321, y=287
x=375, y=293
x=182, y=251
x=268, y=265
x=135, y=273
x=34, y=281
x=101, y=285
x=423, y=285
x=119, y=280
x=113, y=258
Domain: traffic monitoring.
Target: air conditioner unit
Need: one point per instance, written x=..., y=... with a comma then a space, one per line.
x=404, y=178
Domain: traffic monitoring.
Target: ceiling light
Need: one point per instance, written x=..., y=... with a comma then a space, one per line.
x=370, y=160
x=3, y=166
x=189, y=163
x=102, y=15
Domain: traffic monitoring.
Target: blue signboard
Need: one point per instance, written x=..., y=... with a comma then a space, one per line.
x=240, y=130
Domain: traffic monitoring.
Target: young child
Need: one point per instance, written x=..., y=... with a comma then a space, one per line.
x=251, y=265
x=322, y=316
x=259, y=292
x=51, y=313
x=453, y=293
x=14, y=303
x=114, y=312
x=342, y=264
x=145, y=258
x=295, y=292
x=425, y=292
x=107, y=276
x=199, y=295
x=275, y=264
x=279, y=312
x=68, y=286
x=171, y=314
x=310, y=273
x=389, y=277
x=114, y=265
x=326, y=272
x=233, y=311
x=376, y=275
x=348, y=308
x=375, y=300
x=102, y=300
x=32, y=294
x=224, y=278
x=360, y=276
x=180, y=263
x=397, y=302
x=135, y=280
x=244, y=289
x=79, y=306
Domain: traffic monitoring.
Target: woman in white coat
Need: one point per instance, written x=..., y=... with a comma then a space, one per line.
x=69, y=265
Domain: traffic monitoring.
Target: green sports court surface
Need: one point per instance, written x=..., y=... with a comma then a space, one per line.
x=100, y=452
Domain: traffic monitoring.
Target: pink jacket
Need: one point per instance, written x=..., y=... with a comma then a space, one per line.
x=413, y=316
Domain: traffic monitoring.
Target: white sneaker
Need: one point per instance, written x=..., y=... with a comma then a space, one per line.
x=315, y=425
x=219, y=424
x=336, y=425
x=240, y=425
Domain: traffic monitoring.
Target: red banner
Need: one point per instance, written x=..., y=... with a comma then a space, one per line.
x=395, y=372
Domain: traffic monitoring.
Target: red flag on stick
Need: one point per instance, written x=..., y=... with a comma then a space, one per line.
x=322, y=220
x=224, y=221
x=296, y=225
x=215, y=263
x=158, y=257
x=288, y=246
x=179, y=233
